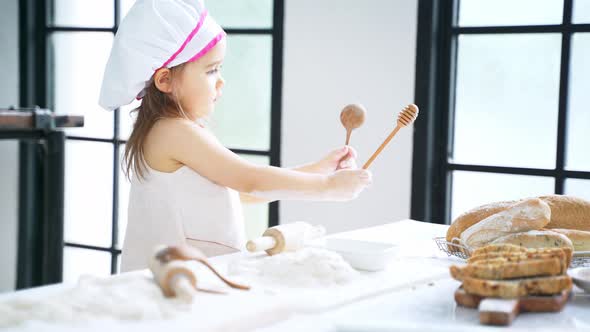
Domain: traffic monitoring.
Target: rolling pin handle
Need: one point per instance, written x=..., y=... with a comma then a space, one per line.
x=261, y=243
x=182, y=287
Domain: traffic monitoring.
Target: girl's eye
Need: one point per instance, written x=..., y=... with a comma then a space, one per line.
x=213, y=71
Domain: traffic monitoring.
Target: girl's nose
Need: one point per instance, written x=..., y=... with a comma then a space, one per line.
x=219, y=85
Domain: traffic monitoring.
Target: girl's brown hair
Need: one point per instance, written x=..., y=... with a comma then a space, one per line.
x=155, y=105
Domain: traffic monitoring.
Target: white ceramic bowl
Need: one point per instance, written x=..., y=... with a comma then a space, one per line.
x=362, y=255
x=581, y=277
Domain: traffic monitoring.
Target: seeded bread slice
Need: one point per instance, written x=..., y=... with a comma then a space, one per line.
x=517, y=288
x=564, y=254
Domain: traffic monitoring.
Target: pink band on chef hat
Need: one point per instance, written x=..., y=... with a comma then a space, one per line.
x=155, y=34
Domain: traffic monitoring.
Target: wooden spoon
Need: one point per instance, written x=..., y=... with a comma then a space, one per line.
x=352, y=117
x=405, y=118
x=186, y=253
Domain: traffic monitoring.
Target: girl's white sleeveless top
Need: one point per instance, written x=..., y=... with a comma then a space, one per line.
x=182, y=207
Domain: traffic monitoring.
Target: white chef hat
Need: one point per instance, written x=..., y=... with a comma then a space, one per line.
x=153, y=35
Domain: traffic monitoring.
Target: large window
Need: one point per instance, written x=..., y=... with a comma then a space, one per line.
x=78, y=35
x=504, y=85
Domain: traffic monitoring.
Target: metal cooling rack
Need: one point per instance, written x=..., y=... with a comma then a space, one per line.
x=463, y=252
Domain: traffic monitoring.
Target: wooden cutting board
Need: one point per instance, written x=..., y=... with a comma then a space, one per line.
x=495, y=311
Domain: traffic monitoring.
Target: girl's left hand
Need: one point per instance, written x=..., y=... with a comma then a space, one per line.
x=342, y=158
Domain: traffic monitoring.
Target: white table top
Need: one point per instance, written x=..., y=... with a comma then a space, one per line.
x=414, y=293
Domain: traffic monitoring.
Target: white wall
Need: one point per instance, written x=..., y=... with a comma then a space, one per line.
x=8, y=149
x=338, y=52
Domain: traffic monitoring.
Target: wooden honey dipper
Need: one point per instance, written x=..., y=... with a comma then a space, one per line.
x=406, y=117
x=352, y=117
x=174, y=275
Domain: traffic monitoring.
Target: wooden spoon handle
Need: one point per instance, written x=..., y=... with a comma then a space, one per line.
x=228, y=282
x=368, y=163
x=348, y=133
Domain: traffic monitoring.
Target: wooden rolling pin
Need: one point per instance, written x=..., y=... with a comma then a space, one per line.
x=288, y=237
x=172, y=272
x=175, y=277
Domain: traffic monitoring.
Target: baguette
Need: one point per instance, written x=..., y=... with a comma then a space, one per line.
x=473, y=216
x=517, y=288
x=526, y=215
x=566, y=212
x=580, y=239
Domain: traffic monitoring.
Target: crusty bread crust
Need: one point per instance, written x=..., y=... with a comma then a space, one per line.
x=474, y=216
x=566, y=212
x=526, y=215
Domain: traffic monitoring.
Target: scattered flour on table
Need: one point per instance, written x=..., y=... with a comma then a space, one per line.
x=132, y=297
x=309, y=267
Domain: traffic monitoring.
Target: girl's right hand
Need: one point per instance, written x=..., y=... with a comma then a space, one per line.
x=347, y=184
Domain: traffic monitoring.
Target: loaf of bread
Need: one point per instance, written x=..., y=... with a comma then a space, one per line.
x=518, y=287
x=523, y=216
x=580, y=239
x=566, y=212
x=536, y=239
x=474, y=216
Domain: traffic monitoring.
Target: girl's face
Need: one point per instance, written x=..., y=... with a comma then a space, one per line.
x=201, y=83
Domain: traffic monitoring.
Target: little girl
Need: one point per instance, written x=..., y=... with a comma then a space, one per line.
x=187, y=188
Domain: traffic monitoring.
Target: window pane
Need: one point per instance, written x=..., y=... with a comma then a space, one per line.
x=88, y=193
x=79, y=61
x=578, y=119
x=507, y=100
x=231, y=13
x=124, y=187
x=256, y=215
x=510, y=12
x=87, y=13
x=242, y=14
x=581, y=11
x=242, y=116
x=471, y=189
x=578, y=187
x=127, y=119
x=79, y=262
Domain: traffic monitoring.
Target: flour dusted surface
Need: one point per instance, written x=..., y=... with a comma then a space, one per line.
x=309, y=267
x=131, y=297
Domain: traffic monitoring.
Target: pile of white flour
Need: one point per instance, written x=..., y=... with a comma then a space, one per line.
x=309, y=267
x=126, y=297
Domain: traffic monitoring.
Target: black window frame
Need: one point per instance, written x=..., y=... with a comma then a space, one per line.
x=436, y=63
x=36, y=88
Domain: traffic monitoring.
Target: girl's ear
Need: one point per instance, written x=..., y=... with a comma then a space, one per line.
x=163, y=80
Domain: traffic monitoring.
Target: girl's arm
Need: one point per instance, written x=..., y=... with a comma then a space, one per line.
x=197, y=148
x=337, y=159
